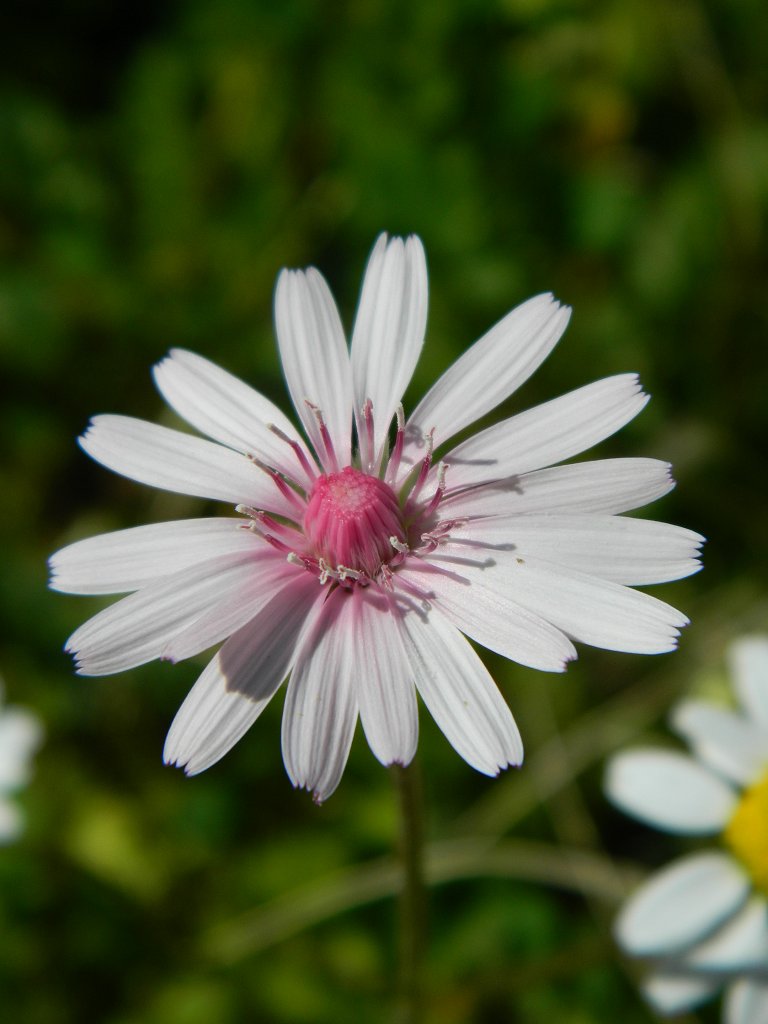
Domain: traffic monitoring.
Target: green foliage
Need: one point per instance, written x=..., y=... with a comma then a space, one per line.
x=159, y=166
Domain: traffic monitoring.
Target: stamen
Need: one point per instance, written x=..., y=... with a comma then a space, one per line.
x=346, y=573
x=397, y=451
x=298, y=451
x=278, y=545
x=437, y=497
x=247, y=510
x=279, y=482
x=267, y=527
x=401, y=551
x=426, y=464
x=325, y=436
x=366, y=439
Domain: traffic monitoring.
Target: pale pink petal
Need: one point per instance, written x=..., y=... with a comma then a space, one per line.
x=173, y=461
x=385, y=690
x=321, y=703
x=734, y=746
x=388, y=334
x=112, y=563
x=138, y=628
x=218, y=404
x=240, y=605
x=585, y=608
x=747, y=1002
x=749, y=666
x=607, y=486
x=315, y=360
x=494, y=367
x=458, y=691
x=491, y=619
x=682, y=904
x=669, y=790
x=629, y=551
x=240, y=680
x=548, y=433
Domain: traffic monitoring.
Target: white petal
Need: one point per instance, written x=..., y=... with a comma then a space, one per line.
x=609, y=486
x=681, y=905
x=585, y=608
x=669, y=790
x=388, y=334
x=547, y=433
x=492, y=620
x=671, y=994
x=20, y=735
x=740, y=945
x=730, y=743
x=138, y=628
x=11, y=823
x=315, y=359
x=113, y=563
x=240, y=680
x=459, y=693
x=385, y=690
x=490, y=370
x=229, y=411
x=179, y=462
x=321, y=703
x=234, y=610
x=747, y=1002
x=749, y=666
x=624, y=550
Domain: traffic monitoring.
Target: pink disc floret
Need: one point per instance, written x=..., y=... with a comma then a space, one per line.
x=350, y=521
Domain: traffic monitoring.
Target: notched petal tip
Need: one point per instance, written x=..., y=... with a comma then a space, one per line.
x=55, y=576
x=184, y=766
x=86, y=434
x=517, y=764
x=173, y=758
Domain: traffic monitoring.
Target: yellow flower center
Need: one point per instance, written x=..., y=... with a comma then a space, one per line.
x=747, y=832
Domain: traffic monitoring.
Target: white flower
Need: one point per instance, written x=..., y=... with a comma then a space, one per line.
x=703, y=921
x=355, y=572
x=20, y=736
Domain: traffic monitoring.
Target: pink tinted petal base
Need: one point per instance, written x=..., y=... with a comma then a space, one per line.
x=240, y=680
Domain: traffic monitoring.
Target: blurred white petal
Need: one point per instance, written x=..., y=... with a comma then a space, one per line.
x=669, y=790
x=681, y=905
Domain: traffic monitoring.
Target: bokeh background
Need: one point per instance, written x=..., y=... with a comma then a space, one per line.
x=158, y=164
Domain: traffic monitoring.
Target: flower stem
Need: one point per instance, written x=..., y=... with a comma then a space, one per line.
x=413, y=902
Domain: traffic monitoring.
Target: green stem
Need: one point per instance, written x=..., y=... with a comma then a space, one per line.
x=413, y=901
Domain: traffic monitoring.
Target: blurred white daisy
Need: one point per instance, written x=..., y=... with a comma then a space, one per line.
x=20, y=736
x=702, y=922
x=355, y=568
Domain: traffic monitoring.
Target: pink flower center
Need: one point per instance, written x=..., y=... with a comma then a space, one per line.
x=350, y=519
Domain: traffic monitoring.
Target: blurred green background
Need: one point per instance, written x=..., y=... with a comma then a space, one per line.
x=158, y=164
